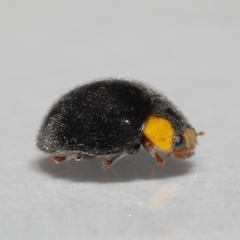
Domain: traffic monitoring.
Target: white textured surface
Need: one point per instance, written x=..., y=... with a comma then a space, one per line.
x=189, y=50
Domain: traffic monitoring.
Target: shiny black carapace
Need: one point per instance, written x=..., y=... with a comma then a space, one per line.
x=113, y=118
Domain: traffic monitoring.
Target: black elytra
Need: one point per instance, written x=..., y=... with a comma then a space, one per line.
x=104, y=117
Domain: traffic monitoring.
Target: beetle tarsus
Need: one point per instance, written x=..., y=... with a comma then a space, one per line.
x=160, y=161
x=107, y=163
x=58, y=159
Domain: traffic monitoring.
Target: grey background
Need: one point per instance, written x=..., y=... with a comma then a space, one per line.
x=187, y=49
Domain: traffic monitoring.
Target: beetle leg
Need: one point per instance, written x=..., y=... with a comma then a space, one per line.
x=107, y=163
x=75, y=156
x=150, y=148
x=58, y=159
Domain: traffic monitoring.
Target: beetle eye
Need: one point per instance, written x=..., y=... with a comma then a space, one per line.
x=179, y=143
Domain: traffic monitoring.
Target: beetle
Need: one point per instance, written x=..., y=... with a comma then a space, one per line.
x=114, y=118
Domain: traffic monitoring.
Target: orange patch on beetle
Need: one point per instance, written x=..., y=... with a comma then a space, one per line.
x=160, y=132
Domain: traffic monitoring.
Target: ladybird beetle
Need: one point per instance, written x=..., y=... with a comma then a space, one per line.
x=114, y=118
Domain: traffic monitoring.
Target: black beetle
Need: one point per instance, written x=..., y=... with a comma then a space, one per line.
x=114, y=117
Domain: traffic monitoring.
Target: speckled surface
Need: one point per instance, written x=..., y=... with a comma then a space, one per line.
x=188, y=50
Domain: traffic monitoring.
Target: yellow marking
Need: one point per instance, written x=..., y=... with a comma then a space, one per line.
x=160, y=132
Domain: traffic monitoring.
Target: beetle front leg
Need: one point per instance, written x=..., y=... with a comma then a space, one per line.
x=151, y=149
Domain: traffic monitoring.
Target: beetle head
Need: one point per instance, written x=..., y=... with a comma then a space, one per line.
x=185, y=144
